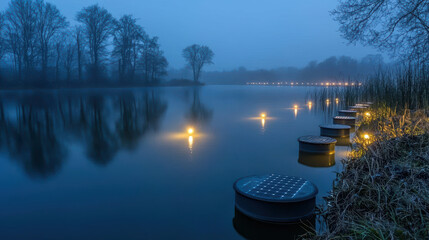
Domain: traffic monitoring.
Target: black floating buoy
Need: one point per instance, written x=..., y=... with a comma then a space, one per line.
x=275, y=198
x=317, y=144
x=347, y=113
x=335, y=130
x=351, y=121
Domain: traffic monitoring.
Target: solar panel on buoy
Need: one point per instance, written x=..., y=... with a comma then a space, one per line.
x=335, y=130
x=347, y=113
x=317, y=144
x=351, y=121
x=358, y=108
x=275, y=197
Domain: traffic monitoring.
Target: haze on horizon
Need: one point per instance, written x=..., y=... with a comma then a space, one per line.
x=248, y=33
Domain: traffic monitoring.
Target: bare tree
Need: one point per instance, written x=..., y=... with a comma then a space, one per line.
x=59, y=49
x=50, y=23
x=197, y=56
x=97, y=25
x=2, y=35
x=69, y=57
x=78, y=32
x=402, y=27
x=21, y=32
x=128, y=36
x=153, y=61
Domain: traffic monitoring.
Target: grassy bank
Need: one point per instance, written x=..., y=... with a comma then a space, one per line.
x=383, y=191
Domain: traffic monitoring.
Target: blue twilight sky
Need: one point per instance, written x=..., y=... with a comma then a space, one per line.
x=250, y=33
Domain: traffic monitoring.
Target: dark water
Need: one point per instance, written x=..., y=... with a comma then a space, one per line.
x=119, y=164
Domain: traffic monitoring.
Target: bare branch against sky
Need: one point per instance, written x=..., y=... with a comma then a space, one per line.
x=252, y=34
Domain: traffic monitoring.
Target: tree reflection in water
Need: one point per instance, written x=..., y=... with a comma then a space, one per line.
x=198, y=113
x=35, y=128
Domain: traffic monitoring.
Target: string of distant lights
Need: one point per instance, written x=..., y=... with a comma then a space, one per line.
x=307, y=83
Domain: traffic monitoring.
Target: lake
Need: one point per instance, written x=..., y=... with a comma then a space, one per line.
x=120, y=164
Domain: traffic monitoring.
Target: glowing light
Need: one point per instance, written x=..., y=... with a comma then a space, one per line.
x=295, y=106
x=263, y=115
x=263, y=123
x=367, y=114
x=366, y=136
x=310, y=104
x=190, y=130
x=190, y=142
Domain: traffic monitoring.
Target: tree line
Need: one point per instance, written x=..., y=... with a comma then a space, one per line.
x=38, y=46
x=337, y=69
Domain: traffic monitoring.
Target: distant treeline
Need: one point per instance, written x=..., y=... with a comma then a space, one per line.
x=332, y=69
x=39, y=47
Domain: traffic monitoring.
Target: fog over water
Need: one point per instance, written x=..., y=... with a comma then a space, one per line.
x=252, y=34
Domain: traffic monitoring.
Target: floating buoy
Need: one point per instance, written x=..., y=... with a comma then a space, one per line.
x=317, y=144
x=335, y=130
x=351, y=121
x=362, y=105
x=358, y=108
x=347, y=113
x=275, y=198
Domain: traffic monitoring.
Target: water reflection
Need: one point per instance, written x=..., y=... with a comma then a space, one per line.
x=253, y=229
x=36, y=127
x=198, y=113
x=32, y=138
x=316, y=160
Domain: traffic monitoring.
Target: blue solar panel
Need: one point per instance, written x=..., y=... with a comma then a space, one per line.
x=276, y=187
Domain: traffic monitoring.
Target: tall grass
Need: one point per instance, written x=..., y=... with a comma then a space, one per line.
x=383, y=191
x=406, y=87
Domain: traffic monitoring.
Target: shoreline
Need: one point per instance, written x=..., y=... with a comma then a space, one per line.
x=382, y=191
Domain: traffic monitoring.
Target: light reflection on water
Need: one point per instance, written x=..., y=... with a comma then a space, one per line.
x=119, y=158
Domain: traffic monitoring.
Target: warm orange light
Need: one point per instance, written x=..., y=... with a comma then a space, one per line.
x=263, y=115
x=190, y=130
x=367, y=114
x=295, y=106
x=366, y=136
x=190, y=142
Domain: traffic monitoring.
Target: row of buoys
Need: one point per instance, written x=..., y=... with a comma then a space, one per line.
x=276, y=198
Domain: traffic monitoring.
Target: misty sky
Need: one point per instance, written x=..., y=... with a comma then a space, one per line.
x=250, y=33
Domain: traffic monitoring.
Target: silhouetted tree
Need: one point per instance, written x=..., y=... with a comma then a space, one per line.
x=153, y=60
x=401, y=27
x=69, y=57
x=98, y=25
x=50, y=23
x=21, y=27
x=128, y=36
x=197, y=56
x=78, y=32
x=2, y=36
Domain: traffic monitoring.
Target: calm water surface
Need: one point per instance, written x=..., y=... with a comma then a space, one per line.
x=119, y=164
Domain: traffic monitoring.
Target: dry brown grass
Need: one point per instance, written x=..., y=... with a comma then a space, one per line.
x=383, y=191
